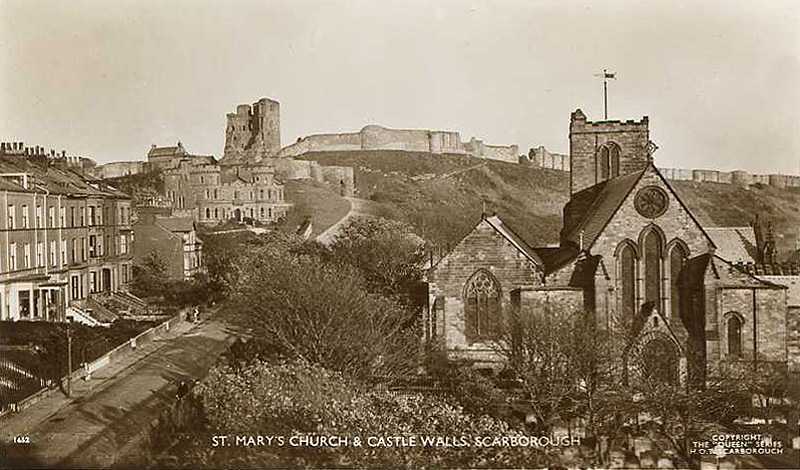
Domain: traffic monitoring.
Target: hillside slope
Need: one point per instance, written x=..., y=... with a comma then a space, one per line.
x=316, y=201
x=442, y=196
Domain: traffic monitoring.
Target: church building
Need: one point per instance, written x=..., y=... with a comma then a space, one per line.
x=630, y=253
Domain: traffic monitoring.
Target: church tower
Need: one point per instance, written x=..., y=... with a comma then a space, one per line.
x=605, y=149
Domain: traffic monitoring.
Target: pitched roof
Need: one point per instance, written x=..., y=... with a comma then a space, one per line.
x=589, y=211
x=503, y=229
x=162, y=152
x=176, y=224
x=555, y=258
x=734, y=244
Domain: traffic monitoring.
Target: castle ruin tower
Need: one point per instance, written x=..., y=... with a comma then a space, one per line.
x=605, y=149
x=253, y=132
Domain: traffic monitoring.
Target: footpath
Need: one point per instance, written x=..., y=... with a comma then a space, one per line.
x=94, y=426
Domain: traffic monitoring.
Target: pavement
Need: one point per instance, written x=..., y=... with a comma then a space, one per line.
x=93, y=428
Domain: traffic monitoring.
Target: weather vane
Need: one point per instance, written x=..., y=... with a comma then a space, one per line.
x=606, y=77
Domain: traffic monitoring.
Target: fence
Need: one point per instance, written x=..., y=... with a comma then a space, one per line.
x=15, y=398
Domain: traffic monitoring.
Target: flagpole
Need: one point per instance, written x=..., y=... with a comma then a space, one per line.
x=605, y=94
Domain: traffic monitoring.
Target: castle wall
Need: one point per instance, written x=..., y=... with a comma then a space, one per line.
x=323, y=142
x=118, y=169
x=380, y=138
x=374, y=137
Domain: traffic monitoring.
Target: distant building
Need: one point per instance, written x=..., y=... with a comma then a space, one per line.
x=212, y=193
x=173, y=239
x=65, y=237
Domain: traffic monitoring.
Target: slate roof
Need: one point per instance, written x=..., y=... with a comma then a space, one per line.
x=555, y=258
x=503, y=229
x=591, y=209
x=53, y=179
x=734, y=244
x=176, y=224
x=166, y=151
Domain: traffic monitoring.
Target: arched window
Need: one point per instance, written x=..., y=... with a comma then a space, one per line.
x=602, y=164
x=261, y=196
x=613, y=160
x=481, y=306
x=652, y=267
x=262, y=212
x=677, y=258
x=208, y=213
x=734, y=336
x=216, y=213
x=269, y=212
x=627, y=270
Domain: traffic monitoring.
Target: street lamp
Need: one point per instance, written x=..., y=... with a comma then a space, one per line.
x=69, y=360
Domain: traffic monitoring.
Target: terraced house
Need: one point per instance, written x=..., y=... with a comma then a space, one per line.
x=64, y=237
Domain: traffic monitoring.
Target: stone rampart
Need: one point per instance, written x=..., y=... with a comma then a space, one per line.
x=375, y=137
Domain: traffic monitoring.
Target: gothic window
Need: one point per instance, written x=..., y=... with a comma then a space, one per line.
x=437, y=313
x=734, y=336
x=652, y=267
x=677, y=258
x=481, y=306
x=602, y=164
x=627, y=269
x=613, y=160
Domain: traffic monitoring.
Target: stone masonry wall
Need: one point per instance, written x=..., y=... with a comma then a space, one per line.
x=586, y=137
x=482, y=248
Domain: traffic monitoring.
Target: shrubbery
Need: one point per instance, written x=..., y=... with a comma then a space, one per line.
x=292, y=398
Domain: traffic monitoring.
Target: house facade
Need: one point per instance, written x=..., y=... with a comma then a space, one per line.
x=63, y=237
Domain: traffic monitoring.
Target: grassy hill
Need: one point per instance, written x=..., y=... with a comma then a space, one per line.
x=317, y=201
x=442, y=196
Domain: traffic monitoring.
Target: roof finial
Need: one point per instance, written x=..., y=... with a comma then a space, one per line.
x=581, y=241
x=483, y=209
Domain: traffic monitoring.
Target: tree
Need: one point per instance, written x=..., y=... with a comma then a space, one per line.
x=321, y=313
x=388, y=254
x=149, y=276
x=561, y=358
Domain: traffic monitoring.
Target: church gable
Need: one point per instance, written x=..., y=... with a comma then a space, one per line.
x=651, y=202
x=493, y=246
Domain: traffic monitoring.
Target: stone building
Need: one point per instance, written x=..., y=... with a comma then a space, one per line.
x=64, y=237
x=173, y=239
x=630, y=253
x=253, y=132
x=212, y=193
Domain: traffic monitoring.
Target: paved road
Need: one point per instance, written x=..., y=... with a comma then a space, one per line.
x=91, y=431
x=356, y=210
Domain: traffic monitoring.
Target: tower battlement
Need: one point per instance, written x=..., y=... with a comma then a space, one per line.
x=601, y=150
x=253, y=132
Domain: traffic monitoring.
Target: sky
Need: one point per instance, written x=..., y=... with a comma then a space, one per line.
x=106, y=79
